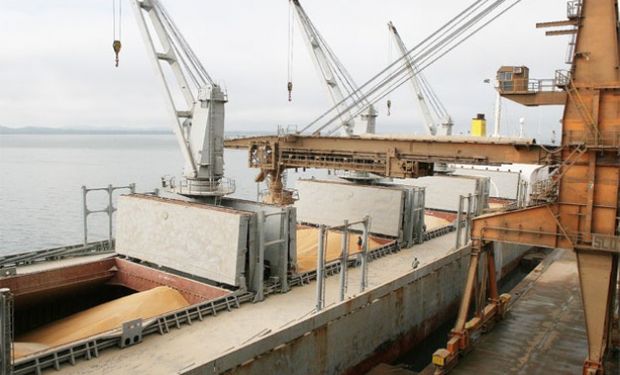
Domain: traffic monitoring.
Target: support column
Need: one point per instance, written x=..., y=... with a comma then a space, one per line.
x=597, y=289
x=320, y=270
x=344, y=260
x=6, y=332
x=85, y=214
x=259, y=273
x=364, y=278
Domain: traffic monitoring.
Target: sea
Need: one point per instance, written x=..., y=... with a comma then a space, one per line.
x=41, y=179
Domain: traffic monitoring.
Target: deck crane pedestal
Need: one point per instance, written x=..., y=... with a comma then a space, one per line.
x=199, y=115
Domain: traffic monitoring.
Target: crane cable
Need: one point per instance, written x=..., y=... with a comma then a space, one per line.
x=116, y=28
x=393, y=70
x=446, y=38
x=389, y=61
x=291, y=29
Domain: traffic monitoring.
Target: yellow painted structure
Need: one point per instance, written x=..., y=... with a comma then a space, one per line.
x=479, y=126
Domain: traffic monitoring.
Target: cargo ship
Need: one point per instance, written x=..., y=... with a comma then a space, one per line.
x=338, y=275
x=192, y=283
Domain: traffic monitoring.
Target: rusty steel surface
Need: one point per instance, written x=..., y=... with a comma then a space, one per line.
x=30, y=285
x=586, y=191
x=141, y=278
x=538, y=98
x=544, y=332
x=391, y=156
x=116, y=271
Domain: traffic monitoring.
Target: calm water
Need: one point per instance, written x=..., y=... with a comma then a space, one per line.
x=41, y=178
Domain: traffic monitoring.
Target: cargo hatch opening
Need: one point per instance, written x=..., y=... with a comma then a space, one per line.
x=63, y=305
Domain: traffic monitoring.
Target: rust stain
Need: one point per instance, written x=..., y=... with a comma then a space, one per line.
x=389, y=351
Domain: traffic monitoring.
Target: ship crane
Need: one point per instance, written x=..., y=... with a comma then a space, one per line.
x=459, y=29
x=337, y=80
x=436, y=117
x=196, y=103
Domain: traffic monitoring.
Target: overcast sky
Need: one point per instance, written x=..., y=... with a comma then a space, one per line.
x=57, y=64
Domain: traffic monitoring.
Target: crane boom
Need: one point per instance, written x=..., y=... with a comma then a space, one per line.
x=199, y=116
x=336, y=78
x=425, y=96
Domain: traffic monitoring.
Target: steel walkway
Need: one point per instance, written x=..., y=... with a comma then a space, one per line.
x=543, y=332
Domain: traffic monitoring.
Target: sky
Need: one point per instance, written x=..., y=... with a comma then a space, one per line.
x=57, y=63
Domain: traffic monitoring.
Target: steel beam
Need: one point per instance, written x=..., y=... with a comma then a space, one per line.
x=535, y=99
x=387, y=156
x=587, y=187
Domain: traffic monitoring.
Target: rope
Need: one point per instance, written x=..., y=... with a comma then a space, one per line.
x=116, y=27
x=291, y=30
x=117, y=12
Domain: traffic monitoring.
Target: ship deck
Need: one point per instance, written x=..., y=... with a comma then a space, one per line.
x=190, y=346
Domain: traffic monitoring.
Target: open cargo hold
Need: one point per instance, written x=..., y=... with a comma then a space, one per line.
x=58, y=306
x=307, y=246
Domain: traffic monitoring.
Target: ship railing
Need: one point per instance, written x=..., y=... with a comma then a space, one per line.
x=464, y=216
x=335, y=266
x=603, y=139
x=287, y=130
x=90, y=348
x=529, y=86
x=6, y=331
x=93, y=248
x=203, y=187
x=109, y=210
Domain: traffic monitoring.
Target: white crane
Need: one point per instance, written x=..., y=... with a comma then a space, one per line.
x=460, y=28
x=196, y=102
x=337, y=79
x=436, y=117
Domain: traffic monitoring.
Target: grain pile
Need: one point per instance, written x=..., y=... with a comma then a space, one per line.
x=307, y=247
x=99, y=319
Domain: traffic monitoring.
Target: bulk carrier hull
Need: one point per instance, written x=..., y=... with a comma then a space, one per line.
x=395, y=295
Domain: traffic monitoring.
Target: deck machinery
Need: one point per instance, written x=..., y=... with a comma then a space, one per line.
x=576, y=210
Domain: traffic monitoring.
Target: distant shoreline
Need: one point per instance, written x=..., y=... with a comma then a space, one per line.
x=68, y=131
x=61, y=131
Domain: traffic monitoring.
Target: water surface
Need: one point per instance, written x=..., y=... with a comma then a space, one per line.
x=41, y=178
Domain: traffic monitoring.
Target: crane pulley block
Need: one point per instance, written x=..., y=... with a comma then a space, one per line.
x=116, y=45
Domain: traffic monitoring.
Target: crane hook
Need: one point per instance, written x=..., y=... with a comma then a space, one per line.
x=389, y=107
x=116, y=45
x=290, y=91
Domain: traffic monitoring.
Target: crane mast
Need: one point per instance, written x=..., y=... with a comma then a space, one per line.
x=337, y=79
x=196, y=102
x=425, y=95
